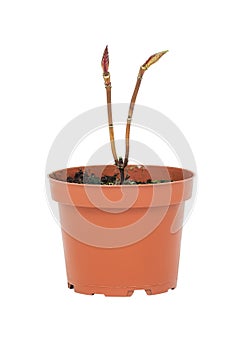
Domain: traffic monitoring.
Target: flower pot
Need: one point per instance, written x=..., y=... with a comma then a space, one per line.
x=118, y=239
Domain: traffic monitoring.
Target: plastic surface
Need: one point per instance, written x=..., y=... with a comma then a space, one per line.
x=103, y=257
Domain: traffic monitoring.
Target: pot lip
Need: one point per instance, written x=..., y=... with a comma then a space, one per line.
x=192, y=174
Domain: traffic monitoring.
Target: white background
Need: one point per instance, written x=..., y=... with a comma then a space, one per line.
x=50, y=73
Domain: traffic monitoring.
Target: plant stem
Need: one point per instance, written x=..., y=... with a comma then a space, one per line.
x=130, y=113
x=152, y=59
x=121, y=169
x=110, y=121
x=106, y=76
x=121, y=175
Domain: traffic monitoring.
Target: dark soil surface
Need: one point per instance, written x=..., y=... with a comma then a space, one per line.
x=81, y=177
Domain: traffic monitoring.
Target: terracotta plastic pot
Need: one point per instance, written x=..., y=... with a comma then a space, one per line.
x=118, y=239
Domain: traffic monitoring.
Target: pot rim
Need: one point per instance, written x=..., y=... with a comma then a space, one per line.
x=189, y=178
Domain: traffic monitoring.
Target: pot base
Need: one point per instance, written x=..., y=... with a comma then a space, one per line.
x=121, y=291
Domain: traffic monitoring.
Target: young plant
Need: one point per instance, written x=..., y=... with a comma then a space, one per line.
x=106, y=76
x=120, y=163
